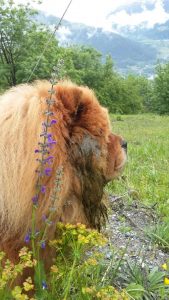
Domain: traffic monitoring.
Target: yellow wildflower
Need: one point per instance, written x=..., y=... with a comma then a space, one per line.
x=82, y=239
x=27, y=285
x=23, y=251
x=54, y=269
x=60, y=225
x=166, y=281
x=165, y=267
x=80, y=225
x=70, y=226
x=88, y=290
x=92, y=262
x=17, y=294
x=2, y=254
x=54, y=243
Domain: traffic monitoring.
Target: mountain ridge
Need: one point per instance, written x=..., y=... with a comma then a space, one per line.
x=134, y=49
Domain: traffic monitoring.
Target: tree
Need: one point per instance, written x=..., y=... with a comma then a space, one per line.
x=133, y=94
x=161, y=89
x=83, y=65
x=21, y=43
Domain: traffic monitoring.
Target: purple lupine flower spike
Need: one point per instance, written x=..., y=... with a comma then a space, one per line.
x=27, y=238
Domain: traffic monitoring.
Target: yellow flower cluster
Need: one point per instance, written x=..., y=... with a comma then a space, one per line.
x=17, y=292
x=10, y=272
x=91, y=261
x=77, y=238
x=106, y=293
x=27, y=285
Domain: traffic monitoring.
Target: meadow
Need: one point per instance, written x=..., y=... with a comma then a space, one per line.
x=147, y=169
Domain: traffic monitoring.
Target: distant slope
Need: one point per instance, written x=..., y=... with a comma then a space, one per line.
x=140, y=33
x=139, y=36
x=126, y=53
x=123, y=50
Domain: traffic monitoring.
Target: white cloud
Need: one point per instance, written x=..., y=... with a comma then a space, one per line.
x=63, y=33
x=89, y=12
x=150, y=17
x=94, y=12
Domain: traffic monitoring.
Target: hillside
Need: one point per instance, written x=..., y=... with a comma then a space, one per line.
x=138, y=38
x=128, y=54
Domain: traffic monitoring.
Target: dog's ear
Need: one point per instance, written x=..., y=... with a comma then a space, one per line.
x=70, y=98
x=81, y=109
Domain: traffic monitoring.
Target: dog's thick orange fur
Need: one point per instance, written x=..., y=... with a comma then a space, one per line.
x=89, y=153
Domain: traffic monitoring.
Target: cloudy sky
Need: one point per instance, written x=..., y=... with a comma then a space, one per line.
x=95, y=12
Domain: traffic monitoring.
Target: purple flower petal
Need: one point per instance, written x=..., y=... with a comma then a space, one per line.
x=43, y=189
x=48, y=171
x=35, y=199
x=27, y=238
x=43, y=244
x=49, y=159
x=44, y=285
x=44, y=217
x=53, y=122
x=51, y=141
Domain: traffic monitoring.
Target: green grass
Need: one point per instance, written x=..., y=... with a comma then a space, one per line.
x=147, y=169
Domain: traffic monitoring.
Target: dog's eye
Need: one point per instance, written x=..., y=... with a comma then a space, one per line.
x=124, y=144
x=78, y=112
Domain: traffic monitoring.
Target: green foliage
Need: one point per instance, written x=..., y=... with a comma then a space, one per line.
x=142, y=283
x=77, y=272
x=160, y=234
x=146, y=171
x=83, y=65
x=21, y=43
x=9, y=273
x=161, y=89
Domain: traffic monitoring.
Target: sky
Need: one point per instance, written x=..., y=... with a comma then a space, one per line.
x=95, y=12
x=89, y=12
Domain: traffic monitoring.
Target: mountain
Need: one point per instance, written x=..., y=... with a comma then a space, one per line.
x=146, y=22
x=128, y=54
x=138, y=36
x=142, y=20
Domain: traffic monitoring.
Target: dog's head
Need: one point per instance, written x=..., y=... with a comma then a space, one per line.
x=95, y=154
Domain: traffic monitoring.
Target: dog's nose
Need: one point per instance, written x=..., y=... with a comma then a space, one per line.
x=124, y=145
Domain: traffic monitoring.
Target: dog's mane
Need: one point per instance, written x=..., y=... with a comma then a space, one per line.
x=21, y=117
